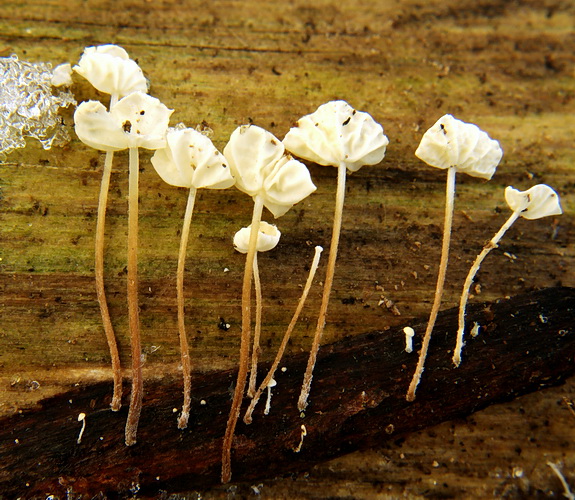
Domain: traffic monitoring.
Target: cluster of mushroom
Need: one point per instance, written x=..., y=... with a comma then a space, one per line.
x=457, y=146
x=261, y=165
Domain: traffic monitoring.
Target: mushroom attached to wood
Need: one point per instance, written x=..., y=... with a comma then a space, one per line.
x=110, y=70
x=274, y=180
x=535, y=203
x=339, y=136
x=455, y=146
x=268, y=238
x=136, y=121
x=189, y=160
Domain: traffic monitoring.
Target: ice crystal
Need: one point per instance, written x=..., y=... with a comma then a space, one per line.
x=29, y=105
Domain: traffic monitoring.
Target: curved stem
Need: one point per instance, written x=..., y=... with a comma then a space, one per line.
x=257, y=329
x=99, y=272
x=449, y=202
x=184, y=346
x=245, y=342
x=285, y=340
x=100, y=290
x=339, y=199
x=133, y=315
x=469, y=280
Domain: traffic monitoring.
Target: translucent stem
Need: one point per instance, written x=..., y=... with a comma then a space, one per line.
x=133, y=316
x=449, y=202
x=245, y=343
x=99, y=272
x=257, y=329
x=469, y=280
x=285, y=340
x=100, y=291
x=339, y=199
x=184, y=346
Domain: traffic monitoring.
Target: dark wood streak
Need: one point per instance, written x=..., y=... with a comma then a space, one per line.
x=358, y=400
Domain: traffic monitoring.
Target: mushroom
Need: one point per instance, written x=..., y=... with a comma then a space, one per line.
x=458, y=147
x=110, y=70
x=274, y=180
x=409, y=334
x=268, y=238
x=135, y=121
x=535, y=203
x=272, y=383
x=336, y=135
x=189, y=160
x=271, y=373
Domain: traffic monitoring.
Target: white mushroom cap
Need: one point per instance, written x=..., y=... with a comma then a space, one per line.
x=453, y=143
x=268, y=238
x=191, y=160
x=409, y=332
x=137, y=120
x=336, y=133
x=258, y=163
x=272, y=383
x=538, y=201
x=109, y=69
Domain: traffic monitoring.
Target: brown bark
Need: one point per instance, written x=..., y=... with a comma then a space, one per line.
x=507, y=66
x=357, y=400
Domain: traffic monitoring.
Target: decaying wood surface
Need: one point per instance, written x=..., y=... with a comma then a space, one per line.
x=507, y=66
x=526, y=343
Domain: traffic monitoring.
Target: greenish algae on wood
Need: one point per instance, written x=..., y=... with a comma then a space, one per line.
x=506, y=66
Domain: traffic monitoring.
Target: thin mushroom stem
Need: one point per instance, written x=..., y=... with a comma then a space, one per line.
x=285, y=340
x=244, y=344
x=339, y=199
x=99, y=272
x=257, y=329
x=449, y=203
x=133, y=316
x=184, y=346
x=469, y=280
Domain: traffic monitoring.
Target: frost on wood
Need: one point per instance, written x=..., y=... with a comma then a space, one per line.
x=29, y=107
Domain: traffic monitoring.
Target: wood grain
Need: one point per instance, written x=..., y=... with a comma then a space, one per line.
x=526, y=343
x=507, y=66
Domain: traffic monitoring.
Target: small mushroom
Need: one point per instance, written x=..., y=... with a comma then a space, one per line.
x=267, y=409
x=135, y=121
x=268, y=238
x=535, y=203
x=189, y=160
x=274, y=180
x=457, y=147
x=409, y=334
x=110, y=70
x=334, y=135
